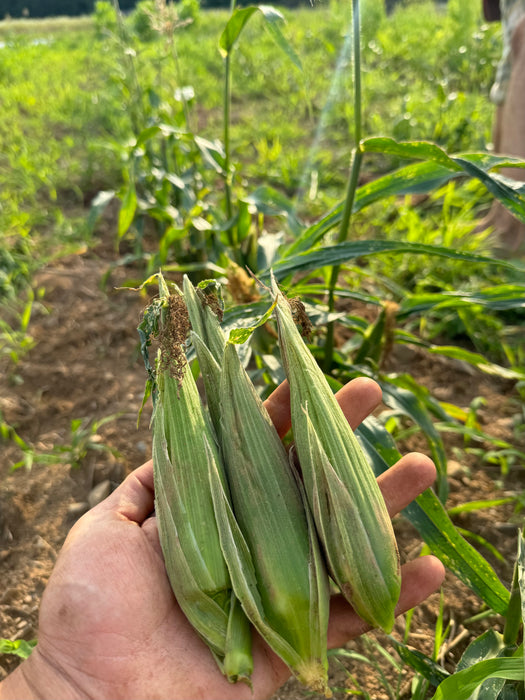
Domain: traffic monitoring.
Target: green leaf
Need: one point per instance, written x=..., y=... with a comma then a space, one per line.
x=478, y=505
x=499, y=298
x=461, y=685
x=233, y=29
x=521, y=573
x=20, y=647
x=212, y=152
x=509, y=192
x=344, y=252
x=489, y=645
x=241, y=335
x=481, y=542
x=274, y=19
x=430, y=519
x=403, y=394
x=147, y=134
x=421, y=150
x=270, y=202
x=97, y=207
x=419, y=178
x=372, y=343
x=127, y=209
x=422, y=664
x=244, y=314
x=477, y=360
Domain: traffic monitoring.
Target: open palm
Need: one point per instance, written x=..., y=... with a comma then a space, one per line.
x=110, y=626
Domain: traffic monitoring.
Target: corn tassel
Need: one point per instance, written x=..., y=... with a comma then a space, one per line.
x=348, y=508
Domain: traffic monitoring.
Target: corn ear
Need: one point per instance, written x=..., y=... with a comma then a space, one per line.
x=267, y=535
x=184, y=447
x=347, y=505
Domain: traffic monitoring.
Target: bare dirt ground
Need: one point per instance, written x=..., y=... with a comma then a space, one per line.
x=85, y=365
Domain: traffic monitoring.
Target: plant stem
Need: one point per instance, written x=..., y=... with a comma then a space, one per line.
x=227, y=104
x=136, y=105
x=353, y=179
x=226, y=117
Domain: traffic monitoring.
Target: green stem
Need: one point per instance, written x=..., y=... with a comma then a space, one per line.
x=226, y=117
x=180, y=81
x=136, y=106
x=353, y=179
x=227, y=105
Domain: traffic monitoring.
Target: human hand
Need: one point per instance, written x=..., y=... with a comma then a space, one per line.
x=110, y=626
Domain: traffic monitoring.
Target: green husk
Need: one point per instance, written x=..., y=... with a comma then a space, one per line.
x=348, y=508
x=266, y=534
x=184, y=448
x=208, y=341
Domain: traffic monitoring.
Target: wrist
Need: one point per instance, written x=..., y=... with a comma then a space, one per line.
x=37, y=679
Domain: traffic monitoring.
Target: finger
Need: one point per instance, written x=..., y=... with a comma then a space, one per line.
x=420, y=578
x=134, y=499
x=358, y=399
x=406, y=480
x=278, y=406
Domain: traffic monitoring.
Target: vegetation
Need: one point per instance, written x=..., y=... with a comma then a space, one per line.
x=236, y=140
x=50, y=8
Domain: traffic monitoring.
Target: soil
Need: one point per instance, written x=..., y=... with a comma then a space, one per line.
x=85, y=364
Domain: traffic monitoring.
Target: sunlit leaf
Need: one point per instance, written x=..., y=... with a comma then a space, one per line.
x=461, y=685
x=344, y=252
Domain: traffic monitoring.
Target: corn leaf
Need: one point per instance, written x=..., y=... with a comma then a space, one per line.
x=430, y=519
x=422, y=664
x=344, y=252
x=233, y=29
x=489, y=645
x=97, y=207
x=461, y=685
x=436, y=169
x=127, y=209
x=273, y=19
x=271, y=202
x=417, y=404
x=420, y=150
x=241, y=335
x=499, y=298
x=521, y=573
